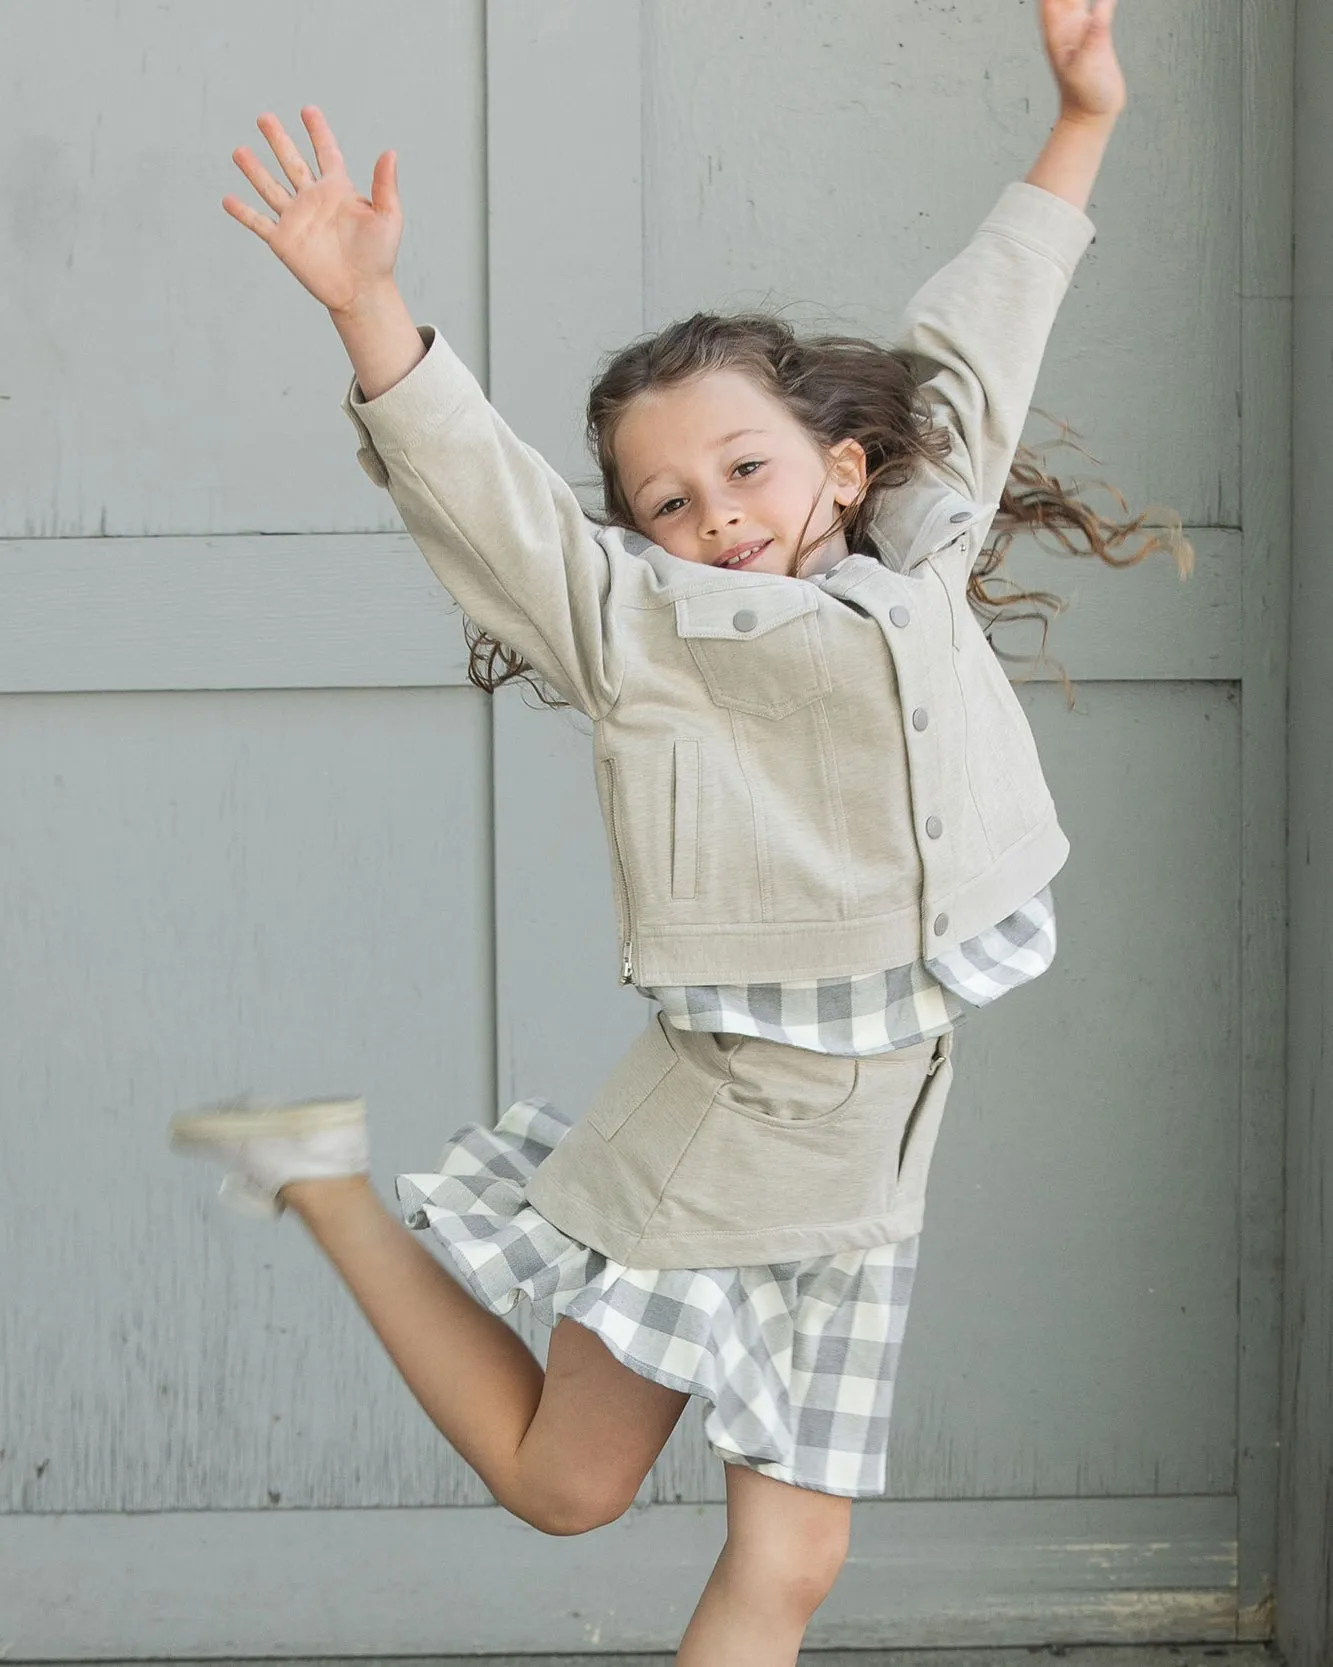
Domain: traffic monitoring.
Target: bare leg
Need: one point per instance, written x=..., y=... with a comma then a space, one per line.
x=785, y=1548
x=566, y=1449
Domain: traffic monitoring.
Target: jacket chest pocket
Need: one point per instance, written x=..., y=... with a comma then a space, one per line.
x=757, y=647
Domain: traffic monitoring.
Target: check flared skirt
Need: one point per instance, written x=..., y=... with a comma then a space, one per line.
x=796, y=1360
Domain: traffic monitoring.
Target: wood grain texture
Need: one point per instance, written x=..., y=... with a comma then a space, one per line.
x=281, y=891
x=1069, y=1655
x=1305, y=1559
x=384, y=1583
x=1268, y=38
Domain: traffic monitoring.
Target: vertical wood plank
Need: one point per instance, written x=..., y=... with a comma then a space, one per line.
x=565, y=287
x=276, y=890
x=1305, y=1549
x=163, y=374
x=1267, y=38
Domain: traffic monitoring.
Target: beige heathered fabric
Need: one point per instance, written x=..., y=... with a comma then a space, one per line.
x=705, y=1150
x=797, y=779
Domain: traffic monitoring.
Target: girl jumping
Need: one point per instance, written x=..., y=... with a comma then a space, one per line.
x=829, y=839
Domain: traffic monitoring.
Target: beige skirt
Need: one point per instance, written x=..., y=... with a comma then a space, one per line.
x=707, y=1149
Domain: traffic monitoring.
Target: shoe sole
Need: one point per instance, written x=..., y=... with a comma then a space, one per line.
x=215, y=1127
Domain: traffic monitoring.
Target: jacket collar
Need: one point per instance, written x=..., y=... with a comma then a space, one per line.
x=911, y=523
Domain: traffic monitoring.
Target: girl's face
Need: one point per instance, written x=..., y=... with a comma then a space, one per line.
x=716, y=468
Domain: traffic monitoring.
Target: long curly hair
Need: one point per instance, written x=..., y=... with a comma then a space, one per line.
x=841, y=387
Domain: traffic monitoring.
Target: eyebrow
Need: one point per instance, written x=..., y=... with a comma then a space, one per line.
x=717, y=446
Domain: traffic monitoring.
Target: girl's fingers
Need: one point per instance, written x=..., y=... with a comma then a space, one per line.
x=276, y=196
x=327, y=154
x=384, y=183
x=249, y=217
x=293, y=164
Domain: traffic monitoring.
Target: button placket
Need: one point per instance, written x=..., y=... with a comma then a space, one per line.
x=934, y=826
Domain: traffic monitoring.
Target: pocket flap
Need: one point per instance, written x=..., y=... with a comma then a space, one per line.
x=743, y=612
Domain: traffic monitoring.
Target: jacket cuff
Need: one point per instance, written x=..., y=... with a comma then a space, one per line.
x=419, y=404
x=1049, y=224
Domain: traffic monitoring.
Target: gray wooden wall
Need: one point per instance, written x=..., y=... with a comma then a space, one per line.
x=1305, y=1569
x=258, y=831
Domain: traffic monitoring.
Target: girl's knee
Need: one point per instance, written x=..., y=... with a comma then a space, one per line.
x=572, y=1509
x=785, y=1577
x=792, y=1552
x=808, y=1568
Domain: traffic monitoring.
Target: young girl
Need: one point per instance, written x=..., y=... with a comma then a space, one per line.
x=829, y=837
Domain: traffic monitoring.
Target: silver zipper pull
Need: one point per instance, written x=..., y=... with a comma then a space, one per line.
x=626, y=970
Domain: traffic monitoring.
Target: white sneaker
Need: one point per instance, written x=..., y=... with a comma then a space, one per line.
x=267, y=1145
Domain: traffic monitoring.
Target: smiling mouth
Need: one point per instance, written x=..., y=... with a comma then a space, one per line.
x=747, y=557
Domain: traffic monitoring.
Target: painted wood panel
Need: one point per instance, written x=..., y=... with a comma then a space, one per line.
x=334, y=611
x=353, y=1584
x=1305, y=1566
x=286, y=882
x=162, y=373
x=726, y=178
x=825, y=158
x=280, y=891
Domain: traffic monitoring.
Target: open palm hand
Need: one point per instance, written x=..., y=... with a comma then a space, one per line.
x=340, y=245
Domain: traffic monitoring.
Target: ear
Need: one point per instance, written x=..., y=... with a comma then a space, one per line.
x=847, y=463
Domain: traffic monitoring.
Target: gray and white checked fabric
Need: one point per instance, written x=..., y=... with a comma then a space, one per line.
x=797, y=1359
x=876, y=1012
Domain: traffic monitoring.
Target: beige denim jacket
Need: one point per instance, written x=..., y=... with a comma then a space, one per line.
x=798, y=778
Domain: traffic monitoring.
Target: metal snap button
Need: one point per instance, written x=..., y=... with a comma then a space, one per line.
x=745, y=620
x=934, y=827
x=941, y=925
x=899, y=615
x=962, y=515
x=919, y=718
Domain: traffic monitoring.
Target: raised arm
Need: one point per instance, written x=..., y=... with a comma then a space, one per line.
x=978, y=328
x=503, y=532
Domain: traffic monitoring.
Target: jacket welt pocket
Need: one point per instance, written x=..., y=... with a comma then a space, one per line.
x=684, y=818
x=757, y=647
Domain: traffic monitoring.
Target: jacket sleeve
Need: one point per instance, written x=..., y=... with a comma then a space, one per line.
x=502, y=531
x=978, y=328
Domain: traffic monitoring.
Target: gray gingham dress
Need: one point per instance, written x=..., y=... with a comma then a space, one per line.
x=797, y=1360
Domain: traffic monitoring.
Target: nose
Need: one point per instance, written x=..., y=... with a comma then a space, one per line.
x=717, y=513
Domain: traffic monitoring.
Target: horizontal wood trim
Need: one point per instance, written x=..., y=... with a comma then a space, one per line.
x=415, y=1582
x=358, y=610
x=300, y=611
x=1141, y=623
